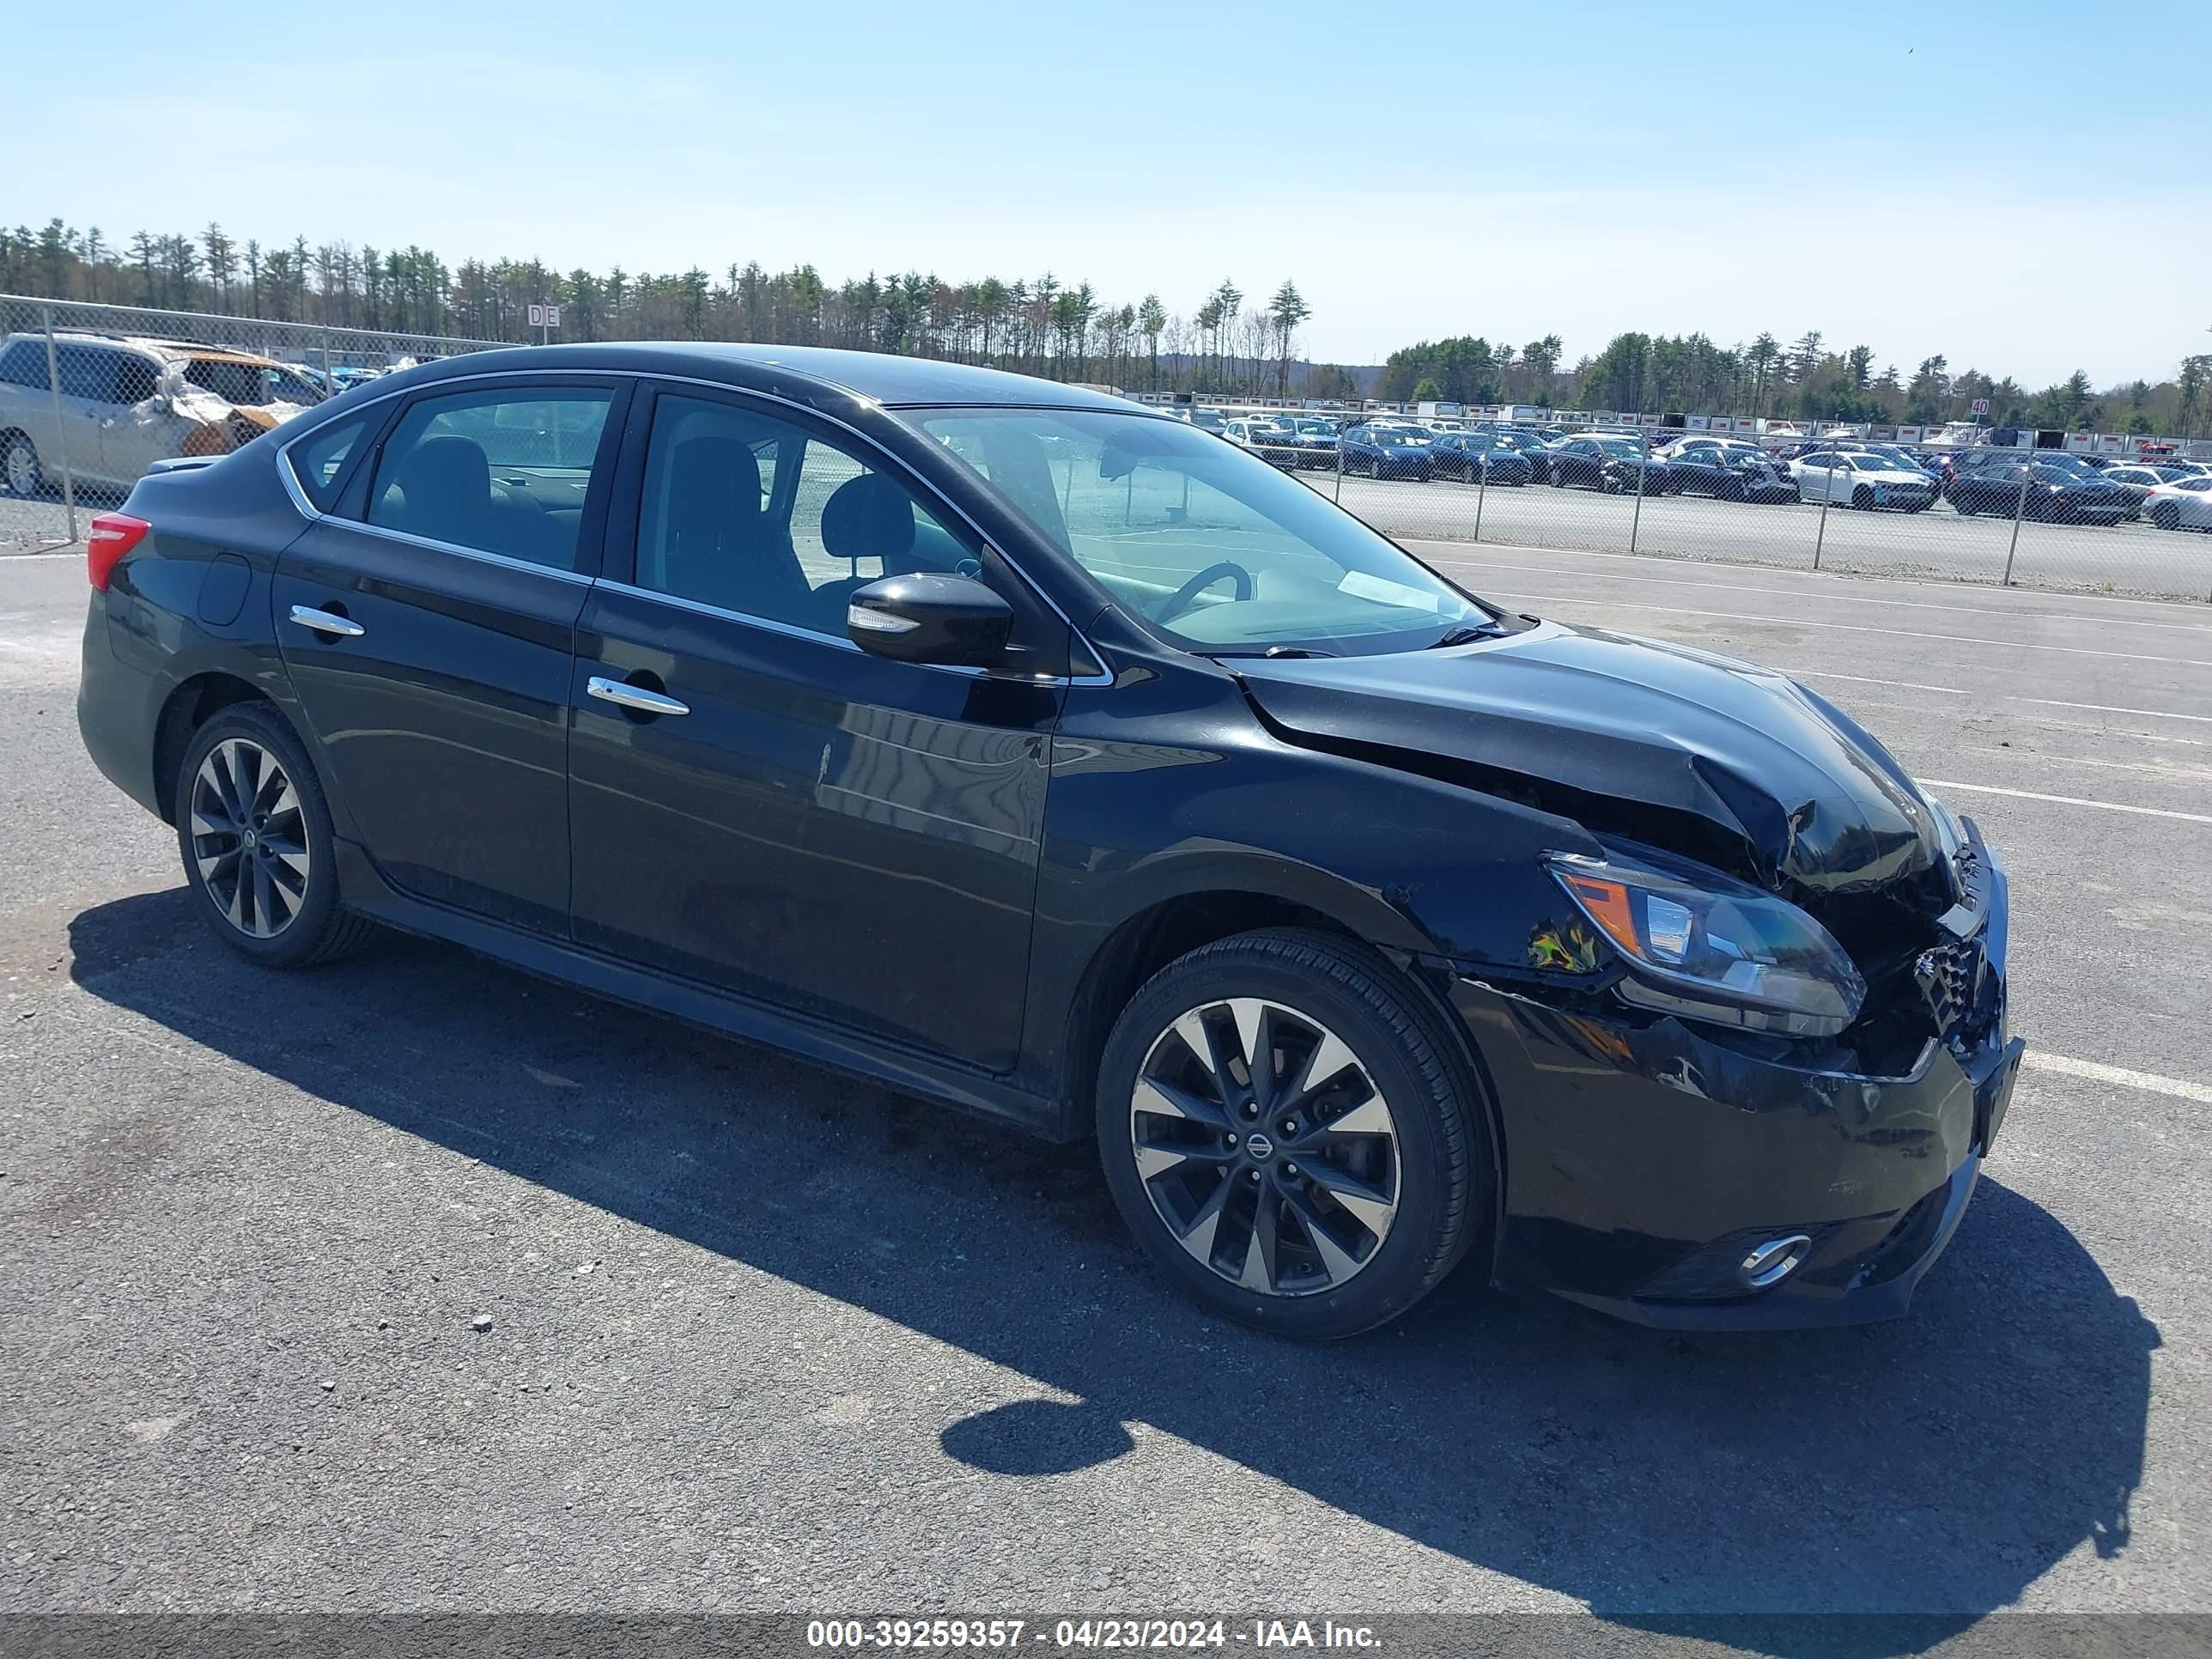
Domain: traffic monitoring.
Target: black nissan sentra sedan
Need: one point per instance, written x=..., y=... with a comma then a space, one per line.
x=1005, y=743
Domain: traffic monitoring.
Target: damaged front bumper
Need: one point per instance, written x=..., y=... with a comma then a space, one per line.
x=1647, y=1161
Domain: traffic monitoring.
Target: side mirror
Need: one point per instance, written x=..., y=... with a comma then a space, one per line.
x=929, y=617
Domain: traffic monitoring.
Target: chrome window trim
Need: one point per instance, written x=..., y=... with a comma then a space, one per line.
x=507, y=560
x=793, y=631
x=309, y=511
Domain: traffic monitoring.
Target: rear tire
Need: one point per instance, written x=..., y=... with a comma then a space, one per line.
x=1234, y=1177
x=254, y=832
x=19, y=471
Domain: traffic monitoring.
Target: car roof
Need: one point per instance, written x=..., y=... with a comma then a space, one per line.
x=878, y=376
x=171, y=348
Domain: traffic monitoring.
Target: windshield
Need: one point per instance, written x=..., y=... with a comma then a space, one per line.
x=1619, y=447
x=1214, y=549
x=1317, y=429
x=1399, y=438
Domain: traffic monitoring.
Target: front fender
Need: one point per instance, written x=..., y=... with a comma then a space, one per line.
x=1170, y=788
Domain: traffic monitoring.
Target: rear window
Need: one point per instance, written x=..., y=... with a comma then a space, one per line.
x=23, y=362
x=318, y=459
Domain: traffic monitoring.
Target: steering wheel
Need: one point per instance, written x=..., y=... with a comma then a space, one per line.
x=1181, y=600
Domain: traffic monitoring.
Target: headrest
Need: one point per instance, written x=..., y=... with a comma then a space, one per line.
x=445, y=475
x=713, y=481
x=867, y=518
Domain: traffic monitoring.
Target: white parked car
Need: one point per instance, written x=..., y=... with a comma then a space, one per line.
x=1271, y=440
x=1863, y=481
x=2185, y=504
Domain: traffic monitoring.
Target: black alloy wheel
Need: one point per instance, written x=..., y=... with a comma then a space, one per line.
x=255, y=835
x=1289, y=1134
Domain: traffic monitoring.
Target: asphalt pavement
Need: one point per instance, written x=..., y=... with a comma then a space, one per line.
x=414, y=1283
x=1937, y=543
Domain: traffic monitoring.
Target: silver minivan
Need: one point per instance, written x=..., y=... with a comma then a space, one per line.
x=125, y=404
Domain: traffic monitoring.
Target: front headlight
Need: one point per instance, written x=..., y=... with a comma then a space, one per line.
x=1712, y=949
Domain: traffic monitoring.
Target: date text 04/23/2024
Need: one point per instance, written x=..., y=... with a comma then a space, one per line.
x=1111, y=1633
x=1087, y=1634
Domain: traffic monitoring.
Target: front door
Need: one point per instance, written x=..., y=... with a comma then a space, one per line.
x=758, y=804
x=428, y=621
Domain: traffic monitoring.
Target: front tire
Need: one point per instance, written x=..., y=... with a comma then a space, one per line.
x=1319, y=1192
x=1863, y=498
x=2166, y=516
x=254, y=832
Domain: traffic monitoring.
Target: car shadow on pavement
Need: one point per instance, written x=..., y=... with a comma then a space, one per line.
x=1936, y=1465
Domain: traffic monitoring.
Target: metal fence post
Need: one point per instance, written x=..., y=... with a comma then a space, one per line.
x=61, y=428
x=1827, y=489
x=2019, y=512
x=1642, y=465
x=1338, y=497
x=329, y=364
x=1481, y=491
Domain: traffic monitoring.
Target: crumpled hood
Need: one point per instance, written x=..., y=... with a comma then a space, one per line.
x=1819, y=801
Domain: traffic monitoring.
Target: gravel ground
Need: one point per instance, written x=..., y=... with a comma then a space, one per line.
x=415, y=1284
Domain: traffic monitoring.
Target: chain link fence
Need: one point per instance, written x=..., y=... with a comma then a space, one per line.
x=93, y=395
x=2009, y=514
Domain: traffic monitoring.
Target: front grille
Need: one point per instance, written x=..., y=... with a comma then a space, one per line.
x=1960, y=988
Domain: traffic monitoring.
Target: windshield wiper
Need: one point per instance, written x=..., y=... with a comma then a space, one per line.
x=1464, y=636
x=1278, y=651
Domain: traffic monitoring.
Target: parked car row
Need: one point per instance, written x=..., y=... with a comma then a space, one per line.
x=2046, y=485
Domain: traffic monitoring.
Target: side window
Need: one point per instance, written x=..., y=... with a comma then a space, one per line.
x=503, y=472
x=86, y=371
x=317, y=458
x=135, y=379
x=752, y=514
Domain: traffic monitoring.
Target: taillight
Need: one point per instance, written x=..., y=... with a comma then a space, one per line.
x=114, y=535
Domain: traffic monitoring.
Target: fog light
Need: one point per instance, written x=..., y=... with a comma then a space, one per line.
x=1770, y=1263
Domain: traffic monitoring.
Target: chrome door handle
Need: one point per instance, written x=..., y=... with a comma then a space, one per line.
x=327, y=621
x=634, y=696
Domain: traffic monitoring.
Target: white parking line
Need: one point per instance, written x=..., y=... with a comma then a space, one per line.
x=2179, y=1088
x=2068, y=800
x=1860, y=628
x=1648, y=559
x=1868, y=679
x=2004, y=696
x=2107, y=708
x=1853, y=593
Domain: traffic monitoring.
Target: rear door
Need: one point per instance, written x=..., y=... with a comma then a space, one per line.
x=428, y=624
x=795, y=819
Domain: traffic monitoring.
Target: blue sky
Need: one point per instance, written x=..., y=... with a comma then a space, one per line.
x=2022, y=187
